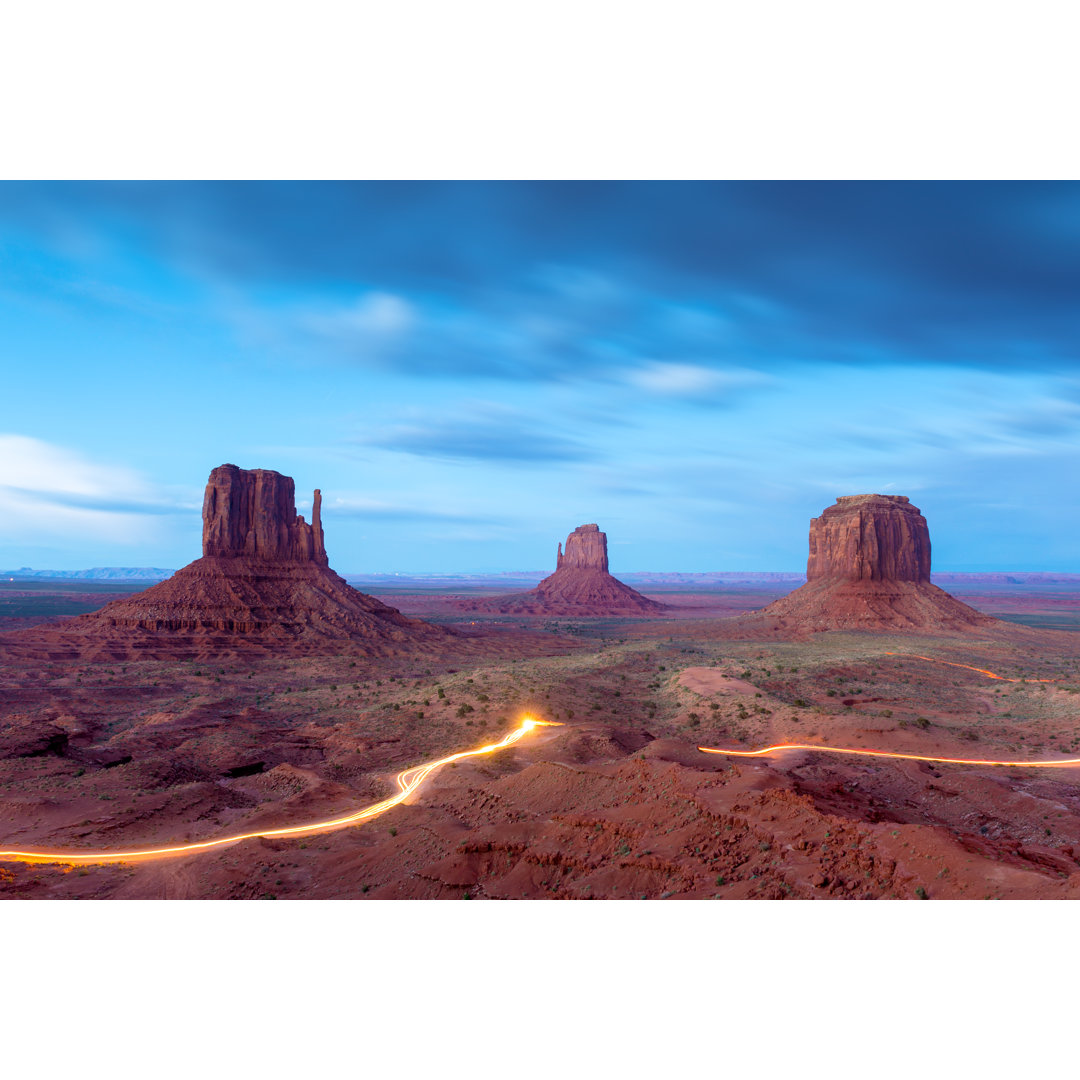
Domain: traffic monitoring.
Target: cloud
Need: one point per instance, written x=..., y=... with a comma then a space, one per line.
x=52, y=492
x=981, y=274
x=376, y=315
x=691, y=380
x=482, y=433
x=371, y=510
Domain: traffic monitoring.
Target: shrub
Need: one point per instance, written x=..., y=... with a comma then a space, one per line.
x=922, y=722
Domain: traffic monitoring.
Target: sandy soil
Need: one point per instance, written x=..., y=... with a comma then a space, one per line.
x=618, y=802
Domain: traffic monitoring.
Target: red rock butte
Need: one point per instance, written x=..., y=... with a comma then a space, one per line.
x=251, y=514
x=263, y=581
x=581, y=584
x=869, y=569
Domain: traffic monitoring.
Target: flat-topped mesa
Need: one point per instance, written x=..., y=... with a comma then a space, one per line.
x=252, y=513
x=586, y=549
x=869, y=569
x=869, y=538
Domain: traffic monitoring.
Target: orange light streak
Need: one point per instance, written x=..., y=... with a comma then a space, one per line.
x=981, y=671
x=1059, y=764
x=408, y=781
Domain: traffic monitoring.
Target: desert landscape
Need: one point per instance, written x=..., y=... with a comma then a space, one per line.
x=547, y=539
x=256, y=692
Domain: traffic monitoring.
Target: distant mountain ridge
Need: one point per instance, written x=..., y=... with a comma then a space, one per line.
x=531, y=577
x=95, y=573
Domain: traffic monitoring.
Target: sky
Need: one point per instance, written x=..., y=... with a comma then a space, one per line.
x=471, y=370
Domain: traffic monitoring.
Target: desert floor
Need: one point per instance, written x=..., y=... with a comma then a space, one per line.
x=618, y=801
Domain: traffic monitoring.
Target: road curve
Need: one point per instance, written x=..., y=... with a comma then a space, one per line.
x=1060, y=763
x=408, y=781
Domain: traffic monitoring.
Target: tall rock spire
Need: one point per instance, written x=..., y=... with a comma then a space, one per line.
x=586, y=549
x=263, y=582
x=581, y=585
x=252, y=513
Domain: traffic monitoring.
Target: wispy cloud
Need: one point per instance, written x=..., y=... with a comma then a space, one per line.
x=684, y=380
x=50, y=492
x=481, y=433
x=372, y=510
x=374, y=316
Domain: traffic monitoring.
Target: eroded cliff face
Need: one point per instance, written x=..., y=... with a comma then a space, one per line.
x=870, y=538
x=581, y=584
x=252, y=513
x=263, y=581
x=868, y=569
x=586, y=549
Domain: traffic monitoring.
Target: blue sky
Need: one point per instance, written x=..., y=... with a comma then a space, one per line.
x=469, y=371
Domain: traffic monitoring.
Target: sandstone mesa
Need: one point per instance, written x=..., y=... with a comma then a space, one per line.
x=869, y=569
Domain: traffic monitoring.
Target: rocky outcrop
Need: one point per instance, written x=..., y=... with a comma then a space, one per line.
x=586, y=549
x=869, y=538
x=263, y=582
x=868, y=569
x=251, y=513
x=581, y=585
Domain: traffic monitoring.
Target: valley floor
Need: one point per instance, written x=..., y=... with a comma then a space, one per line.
x=617, y=802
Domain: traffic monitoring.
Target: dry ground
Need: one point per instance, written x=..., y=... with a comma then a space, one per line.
x=618, y=802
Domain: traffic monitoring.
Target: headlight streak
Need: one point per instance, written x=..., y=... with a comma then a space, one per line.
x=408, y=781
x=981, y=671
x=1061, y=763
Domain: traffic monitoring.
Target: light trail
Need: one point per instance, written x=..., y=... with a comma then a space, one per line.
x=408, y=781
x=1061, y=763
x=981, y=671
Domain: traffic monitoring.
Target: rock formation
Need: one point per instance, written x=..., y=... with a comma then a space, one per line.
x=586, y=549
x=869, y=569
x=251, y=513
x=263, y=581
x=869, y=538
x=581, y=585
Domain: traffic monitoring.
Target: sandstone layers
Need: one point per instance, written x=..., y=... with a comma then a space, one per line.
x=263, y=580
x=869, y=569
x=581, y=584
